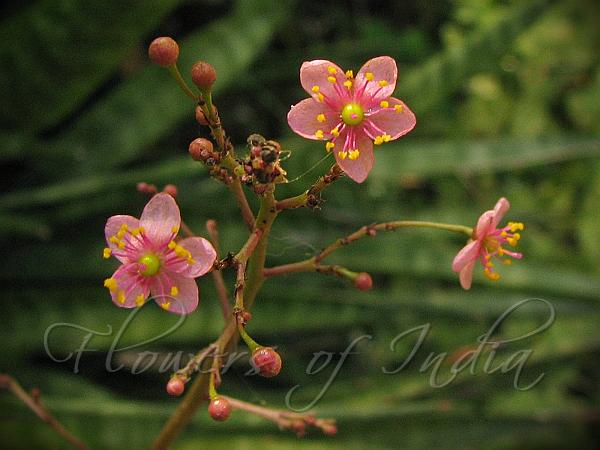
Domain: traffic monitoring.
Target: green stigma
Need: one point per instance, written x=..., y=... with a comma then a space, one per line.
x=152, y=264
x=352, y=114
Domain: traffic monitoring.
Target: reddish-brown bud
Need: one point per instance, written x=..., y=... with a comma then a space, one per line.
x=329, y=429
x=267, y=361
x=170, y=189
x=163, y=51
x=200, y=117
x=200, y=149
x=363, y=281
x=219, y=409
x=145, y=188
x=175, y=387
x=203, y=75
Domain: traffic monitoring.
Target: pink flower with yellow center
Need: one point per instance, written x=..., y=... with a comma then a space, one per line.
x=153, y=263
x=486, y=244
x=351, y=113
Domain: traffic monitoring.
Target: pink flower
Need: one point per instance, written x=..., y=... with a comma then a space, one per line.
x=487, y=242
x=152, y=262
x=351, y=113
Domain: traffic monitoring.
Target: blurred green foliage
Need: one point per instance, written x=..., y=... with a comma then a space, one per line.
x=507, y=96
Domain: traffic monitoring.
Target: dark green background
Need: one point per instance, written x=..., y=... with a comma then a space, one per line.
x=507, y=96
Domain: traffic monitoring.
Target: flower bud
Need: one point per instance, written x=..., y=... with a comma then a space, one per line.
x=163, y=51
x=363, y=281
x=219, y=409
x=200, y=149
x=200, y=117
x=203, y=75
x=267, y=361
x=329, y=429
x=175, y=387
x=170, y=189
x=145, y=188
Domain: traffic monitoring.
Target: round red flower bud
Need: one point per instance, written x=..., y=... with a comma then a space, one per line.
x=267, y=361
x=219, y=409
x=363, y=281
x=203, y=75
x=163, y=51
x=200, y=149
x=175, y=387
x=170, y=189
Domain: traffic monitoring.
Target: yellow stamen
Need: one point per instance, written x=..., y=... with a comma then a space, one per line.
x=136, y=232
x=349, y=74
x=353, y=154
x=165, y=305
x=121, y=297
x=111, y=284
x=335, y=132
x=121, y=233
x=114, y=240
x=387, y=138
x=348, y=84
x=383, y=83
x=384, y=104
x=507, y=262
x=491, y=275
x=172, y=245
x=121, y=245
x=329, y=146
x=378, y=140
x=332, y=70
x=321, y=118
x=342, y=154
x=174, y=291
x=175, y=229
x=320, y=97
x=315, y=88
x=139, y=300
x=512, y=242
x=331, y=79
x=319, y=134
x=398, y=108
x=106, y=253
x=369, y=76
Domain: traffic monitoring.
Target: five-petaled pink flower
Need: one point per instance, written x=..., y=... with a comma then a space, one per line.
x=153, y=263
x=351, y=113
x=486, y=242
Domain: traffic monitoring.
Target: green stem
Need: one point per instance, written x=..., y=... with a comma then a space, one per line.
x=174, y=70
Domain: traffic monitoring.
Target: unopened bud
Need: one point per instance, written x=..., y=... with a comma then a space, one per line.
x=170, y=189
x=145, y=188
x=200, y=117
x=200, y=149
x=267, y=361
x=203, y=75
x=175, y=387
x=219, y=409
x=329, y=429
x=163, y=51
x=363, y=281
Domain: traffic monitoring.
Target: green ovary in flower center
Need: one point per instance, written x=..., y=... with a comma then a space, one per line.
x=352, y=114
x=151, y=263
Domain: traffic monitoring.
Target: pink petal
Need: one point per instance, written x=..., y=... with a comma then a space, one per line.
x=113, y=224
x=203, y=254
x=187, y=297
x=501, y=208
x=382, y=68
x=484, y=225
x=160, y=218
x=315, y=73
x=466, y=275
x=466, y=256
x=303, y=118
x=359, y=168
x=131, y=284
x=394, y=123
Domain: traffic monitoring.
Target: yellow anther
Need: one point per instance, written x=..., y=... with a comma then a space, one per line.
x=121, y=297
x=191, y=261
x=516, y=226
x=175, y=229
x=329, y=146
x=123, y=227
x=320, y=97
x=489, y=264
x=321, y=118
x=384, y=104
x=383, y=83
x=165, y=305
x=512, y=242
x=348, y=83
x=335, y=132
x=491, y=275
x=500, y=251
x=139, y=300
x=349, y=74
x=378, y=140
x=172, y=245
x=121, y=233
x=342, y=155
x=517, y=236
x=136, y=232
x=398, y=108
x=319, y=134
x=353, y=154
x=315, y=89
x=121, y=245
x=503, y=234
x=507, y=262
x=111, y=284
x=332, y=79
x=488, y=257
x=386, y=138
x=174, y=291
x=332, y=70
x=369, y=76
x=114, y=240
x=106, y=253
